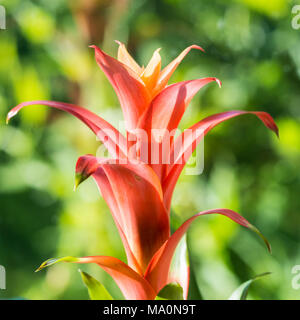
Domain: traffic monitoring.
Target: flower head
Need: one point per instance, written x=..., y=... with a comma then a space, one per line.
x=137, y=190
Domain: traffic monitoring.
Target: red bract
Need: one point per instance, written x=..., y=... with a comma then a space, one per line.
x=138, y=191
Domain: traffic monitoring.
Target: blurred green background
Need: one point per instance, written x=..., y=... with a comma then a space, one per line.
x=250, y=45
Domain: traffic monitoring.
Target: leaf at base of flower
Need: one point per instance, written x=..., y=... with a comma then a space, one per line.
x=242, y=291
x=172, y=291
x=96, y=290
x=133, y=285
x=180, y=267
x=157, y=271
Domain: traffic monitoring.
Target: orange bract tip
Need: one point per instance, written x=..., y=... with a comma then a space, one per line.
x=194, y=46
x=127, y=59
x=152, y=71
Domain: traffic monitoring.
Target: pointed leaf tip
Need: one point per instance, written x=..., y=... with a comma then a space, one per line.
x=79, y=178
x=85, y=167
x=253, y=228
x=242, y=291
x=95, y=289
x=52, y=261
x=268, y=121
x=218, y=82
x=11, y=114
x=46, y=263
x=195, y=46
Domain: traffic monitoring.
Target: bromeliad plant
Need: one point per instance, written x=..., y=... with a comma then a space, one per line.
x=137, y=190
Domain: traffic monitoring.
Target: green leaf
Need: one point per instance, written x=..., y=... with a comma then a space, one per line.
x=52, y=261
x=172, y=291
x=96, y=290
x=242, y=291
x=180, y=261
x=254, y=229
x=180, y=266
x=194, y=292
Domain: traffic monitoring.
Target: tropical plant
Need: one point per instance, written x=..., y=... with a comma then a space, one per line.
x=137, y=189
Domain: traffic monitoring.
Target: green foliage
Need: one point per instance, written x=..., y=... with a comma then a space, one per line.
x=96, y=290
x=242, y=291
x=172, y=291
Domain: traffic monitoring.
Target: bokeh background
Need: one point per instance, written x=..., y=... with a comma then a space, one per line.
x=250, y=45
